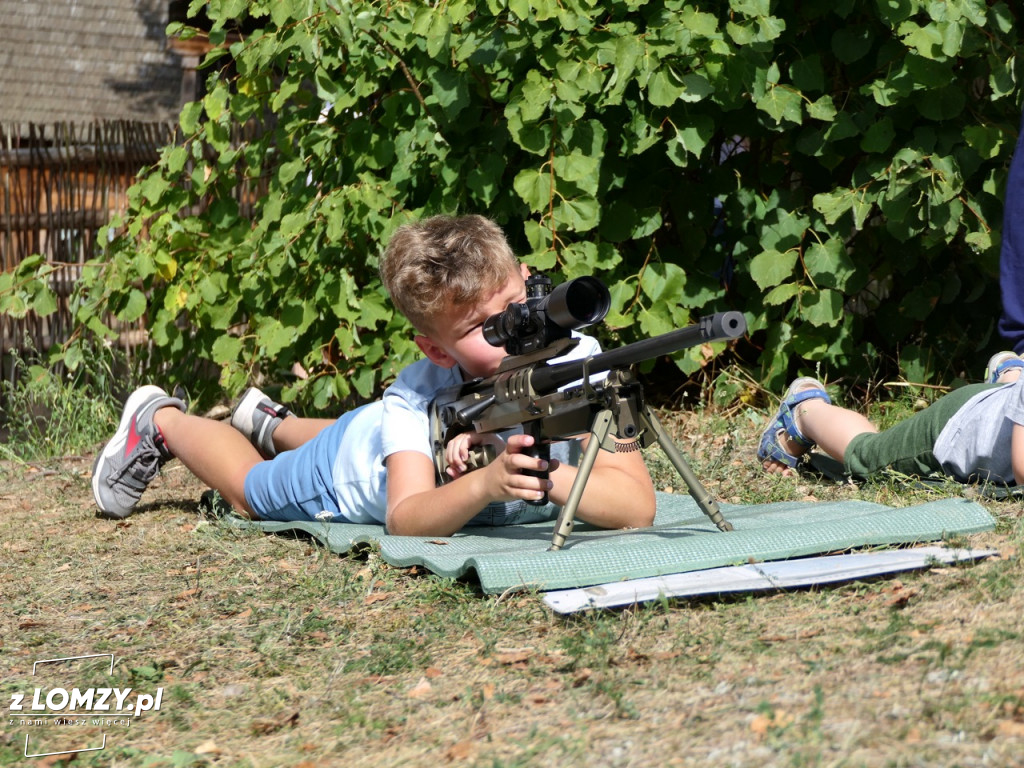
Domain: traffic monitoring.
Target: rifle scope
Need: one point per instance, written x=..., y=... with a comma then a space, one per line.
x=547, y=315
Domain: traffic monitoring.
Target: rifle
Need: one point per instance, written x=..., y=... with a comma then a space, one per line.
x=530, y=391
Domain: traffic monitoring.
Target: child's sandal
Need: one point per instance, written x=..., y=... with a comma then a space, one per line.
x=785, y=421
x=999, y=363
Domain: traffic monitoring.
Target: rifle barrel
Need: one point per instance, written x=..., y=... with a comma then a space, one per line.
x=720, y=326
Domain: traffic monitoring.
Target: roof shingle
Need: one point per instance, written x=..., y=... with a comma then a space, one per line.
x=82, y=60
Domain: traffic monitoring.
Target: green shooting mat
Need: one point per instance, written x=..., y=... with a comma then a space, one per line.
x=682, y=539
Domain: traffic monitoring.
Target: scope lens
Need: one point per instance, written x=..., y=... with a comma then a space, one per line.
x=578, y=303
x=502, y=326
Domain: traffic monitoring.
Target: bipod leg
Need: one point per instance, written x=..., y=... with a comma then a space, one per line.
x=566, y=518
x=697, y=490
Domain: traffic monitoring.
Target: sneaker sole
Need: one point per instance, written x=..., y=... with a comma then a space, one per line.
x=116, y=443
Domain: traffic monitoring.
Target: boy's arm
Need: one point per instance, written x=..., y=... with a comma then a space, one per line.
x=1017, y=453
x=619, y=492
x=417, y=508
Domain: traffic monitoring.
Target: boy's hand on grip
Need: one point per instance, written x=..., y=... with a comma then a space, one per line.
x=506, y=477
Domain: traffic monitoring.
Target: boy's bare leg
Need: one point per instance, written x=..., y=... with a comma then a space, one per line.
x=293, y=431
x=829, y=426
x=214, y=451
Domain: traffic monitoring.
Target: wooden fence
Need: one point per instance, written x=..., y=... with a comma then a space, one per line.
x=59, y=184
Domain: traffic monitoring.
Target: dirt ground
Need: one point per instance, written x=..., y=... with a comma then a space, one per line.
x=268, y=651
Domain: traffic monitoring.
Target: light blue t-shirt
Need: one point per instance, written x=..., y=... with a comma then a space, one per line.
x=406, y=427
x=975, y=443
x=340, y=475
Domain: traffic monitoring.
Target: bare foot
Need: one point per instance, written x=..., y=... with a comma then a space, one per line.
x=790, y=446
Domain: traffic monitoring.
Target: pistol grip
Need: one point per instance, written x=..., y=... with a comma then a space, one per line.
x=540, y=451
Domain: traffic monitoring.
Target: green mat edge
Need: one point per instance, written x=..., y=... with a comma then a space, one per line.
x=577, y=566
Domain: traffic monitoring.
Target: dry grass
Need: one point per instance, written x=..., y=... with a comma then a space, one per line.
x=271, y=652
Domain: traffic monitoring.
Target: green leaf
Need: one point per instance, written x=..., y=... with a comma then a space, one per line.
x=781, y=294
x=663, y=283
x=273, y=336
x=578, y=167
x=851, y=43
x=695, y=87
x=987, y=140
x=533, y=185
x=694, y=136
x=782, y=103
x=770, y=267
x=879, y=136
x=664, y=88
x=579, y=214
x=926, y=40
x=832, y=205
x=374, y=309
x=190, y=116
x=822, y=109
x=134, y=308
x=451, y=92
x=824, y=307
x=828, y=264
x=226, y=349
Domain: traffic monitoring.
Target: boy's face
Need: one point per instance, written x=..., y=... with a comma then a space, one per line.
x=459, y=339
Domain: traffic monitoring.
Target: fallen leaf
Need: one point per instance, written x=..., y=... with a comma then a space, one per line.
x=264, y=727
x=377, y=597
x=464, y=750
x=666, y=655
x=582, y=676
x=421, y=690
x=760, y=724
x=50, y=760
x=513, y=657
x=900, y=597
x=1011, y=728
x=208, y=747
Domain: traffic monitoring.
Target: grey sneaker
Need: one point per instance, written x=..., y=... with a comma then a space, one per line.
x=257, y=416
x=134, y=455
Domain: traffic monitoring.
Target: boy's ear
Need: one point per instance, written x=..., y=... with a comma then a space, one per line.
x=524, y=270
x=435, y=352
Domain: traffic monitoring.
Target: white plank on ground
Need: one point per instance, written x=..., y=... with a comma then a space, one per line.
x=784, y=574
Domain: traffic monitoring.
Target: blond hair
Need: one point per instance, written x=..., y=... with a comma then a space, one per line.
x=444, y=261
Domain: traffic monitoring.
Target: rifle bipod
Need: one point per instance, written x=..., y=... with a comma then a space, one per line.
x=600, y=437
